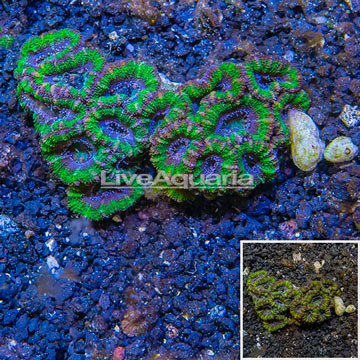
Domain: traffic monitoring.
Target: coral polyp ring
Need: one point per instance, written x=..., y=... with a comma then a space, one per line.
x=175, y=147
x=297, y=308
x=77, y=160
x=97, y=202
x=329, y=287
x=222, y=82
x=162, y=108
x=259, y=283
x=266, y=77
x=128, y=82
x=71, y=78
x=277, y=323
x=310, y=316
x=257, y=160
x=53, y=116
x=312, y=288
x=316, y=300
x=279, y=301
x=282, y=288
x=263, y=285
x=265, y=309
x=216, y=166
x=5, y=39
x=323, y=314
x=49, y=47
x=245, y=119
x=253, y=277
x=116, y=129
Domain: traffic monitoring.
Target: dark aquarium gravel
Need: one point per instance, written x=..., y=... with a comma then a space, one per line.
x=161, y=280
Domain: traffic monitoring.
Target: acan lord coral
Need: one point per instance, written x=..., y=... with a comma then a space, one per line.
x=279, y=303
x=97, y=120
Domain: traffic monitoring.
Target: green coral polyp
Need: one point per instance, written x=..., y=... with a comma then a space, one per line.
x=267, y=77
x=84, y=65
x=96, y=203
x=280, y=303
x=50, y=46
x=277, y=323
x=246, y=119
x=5, y=39
x=282, y=288
x=299, y=101
x=121, y=132
x=257, y=160
x=126, y=81
x=216, y=163
x=175, y=147
x=78, y=160
x=220, y=83
x=94, y=117
x=62, y=114
x=163, y=108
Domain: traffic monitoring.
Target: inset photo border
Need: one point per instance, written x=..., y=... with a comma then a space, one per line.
x=299, y=299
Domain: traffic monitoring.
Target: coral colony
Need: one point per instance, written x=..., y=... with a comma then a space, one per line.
x=94, y=117
x=279, y=303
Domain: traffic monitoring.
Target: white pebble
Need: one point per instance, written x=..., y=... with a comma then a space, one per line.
x=52, y=262
x=130, y=47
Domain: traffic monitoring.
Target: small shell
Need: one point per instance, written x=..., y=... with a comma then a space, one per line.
x=339, y=306
x=340, y=150
x=306, y=146
x=350, y=309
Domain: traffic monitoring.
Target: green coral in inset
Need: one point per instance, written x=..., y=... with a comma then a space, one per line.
x=279, y=303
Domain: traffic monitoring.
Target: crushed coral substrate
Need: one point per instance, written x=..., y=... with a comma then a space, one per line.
x=161, y=279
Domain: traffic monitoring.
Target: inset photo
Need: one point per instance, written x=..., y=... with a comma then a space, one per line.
x=299, y=299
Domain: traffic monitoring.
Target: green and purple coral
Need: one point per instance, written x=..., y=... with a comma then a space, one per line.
x=280, y=303
x=94, y=117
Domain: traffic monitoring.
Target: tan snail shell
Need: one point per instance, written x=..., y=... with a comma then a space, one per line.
x=341, y=149
x=306, y=146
